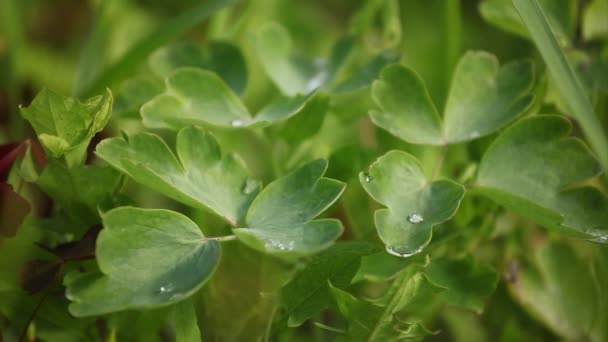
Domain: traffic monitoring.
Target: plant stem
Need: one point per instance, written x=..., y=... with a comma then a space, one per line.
x=221, y=238
x=565, y=78
x=439, y=162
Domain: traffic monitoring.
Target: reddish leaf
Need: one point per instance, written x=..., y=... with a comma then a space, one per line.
x=76, y=250
x=8, y=153
x=11, y=151
x=37, y=275
x=13, y=209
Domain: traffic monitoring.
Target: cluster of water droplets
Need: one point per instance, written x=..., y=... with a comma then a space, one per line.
x=279, y=245
x=415, y=218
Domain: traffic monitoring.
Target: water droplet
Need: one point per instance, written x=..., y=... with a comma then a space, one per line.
x=368, y=178
x=278, y=245
x=249, y=186
x=474, y=134
x=402, y=252
x=415, y=218
x=237, y=123
x=166, y=288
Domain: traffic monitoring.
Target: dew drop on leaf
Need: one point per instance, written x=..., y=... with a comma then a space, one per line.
x=278, y=245
x=368, y=178
x=237, y=123
x=249, y=186
x=402, y=252
x=166, y=288
x=415, y=218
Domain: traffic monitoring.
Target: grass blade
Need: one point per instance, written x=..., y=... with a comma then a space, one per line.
x=177, y=26
x=566, y=80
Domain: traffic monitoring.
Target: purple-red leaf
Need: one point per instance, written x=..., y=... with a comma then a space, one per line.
x=37, y=275
x=76, y=250
x=13, y=210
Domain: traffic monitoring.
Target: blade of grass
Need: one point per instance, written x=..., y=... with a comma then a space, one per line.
x=565, y=78
x=451, y=35
x=12, y=27
x=175, y=27
x=90, y=58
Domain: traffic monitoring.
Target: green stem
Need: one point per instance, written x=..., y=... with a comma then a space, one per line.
x=221, y=238
x=565, y=78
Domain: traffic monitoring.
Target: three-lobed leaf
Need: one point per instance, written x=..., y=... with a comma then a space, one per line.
x=148, y=258
x=225, y=59
x=200, y=175
x=483, y=98
x=414, y=204
x=533, y=169
x=280, y=219
x=200, y=97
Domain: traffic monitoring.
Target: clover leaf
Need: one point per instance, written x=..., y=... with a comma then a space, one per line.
x=483, y=98
x=414, y=204
x=148, y=258
x=200, y=176
x=292, y=74
x=225, y=59
x=280, y=219
x=197, y=96
x=532, y=168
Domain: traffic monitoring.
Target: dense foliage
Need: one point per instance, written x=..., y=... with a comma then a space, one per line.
x=277, y=170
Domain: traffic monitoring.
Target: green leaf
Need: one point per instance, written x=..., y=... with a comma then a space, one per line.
x=196, y=96
x=566, y=80
x=308, y=122
x=560, y=13
x=373, y=322
x=414, y=204
x=64, y=125
x=203, y=177
x=467, y=282
x=558, y=288
x=80, y=190
x=482, y=99
x=225, y=59
x=133, y=93
x=595, y=20
x=380, y=266
x=280, y=219
x=364, y=75
x=125, y=66
x=308, y=292
x=485, y=97
x=532, y=168
x=148, y=258
x=293, y=75
x=186, y=322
